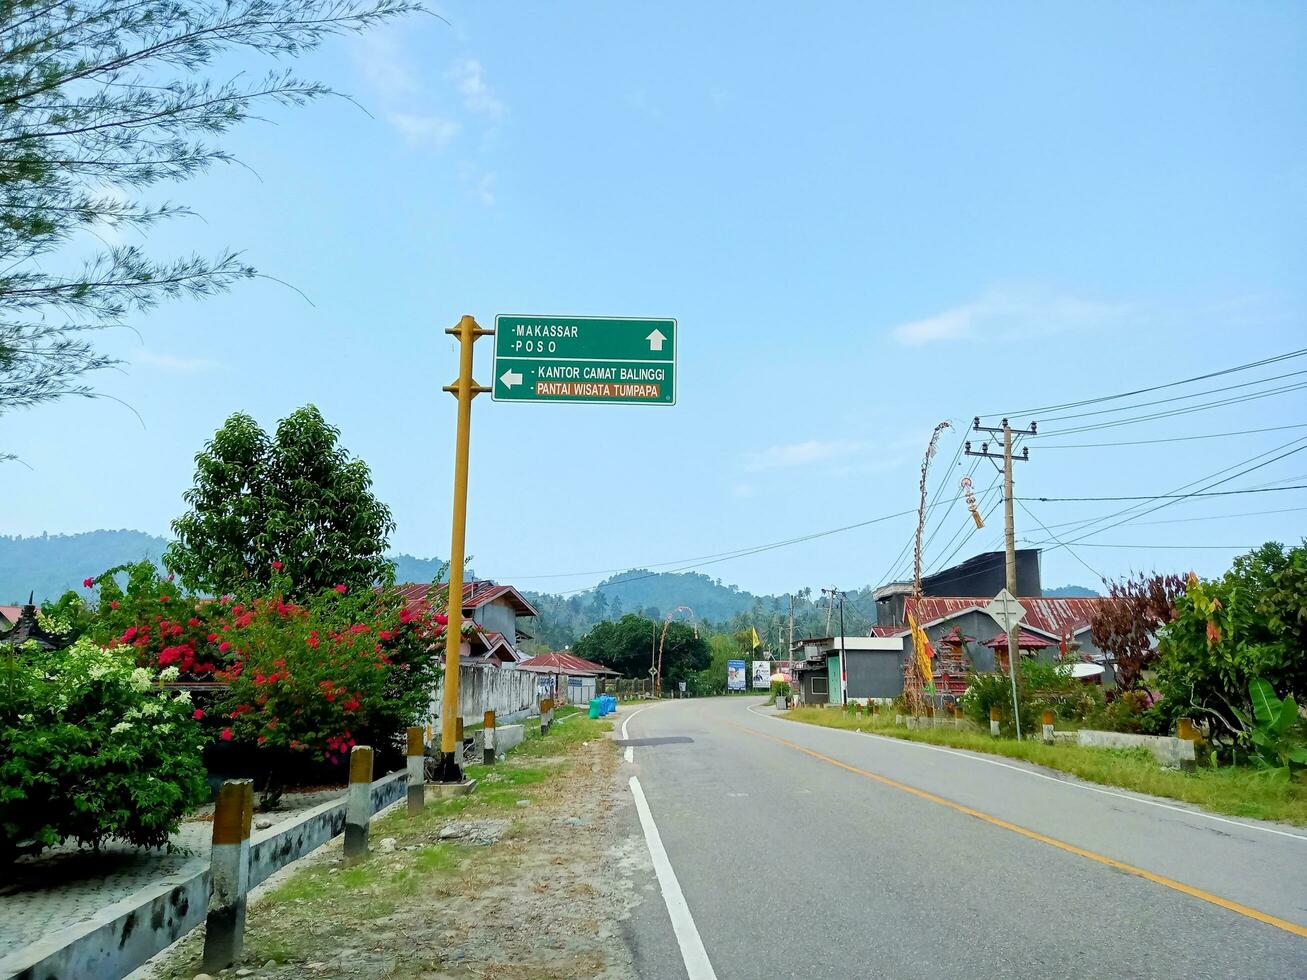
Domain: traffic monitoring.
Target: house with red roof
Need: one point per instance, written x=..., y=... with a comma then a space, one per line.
x=496, y=613
x=565, y=672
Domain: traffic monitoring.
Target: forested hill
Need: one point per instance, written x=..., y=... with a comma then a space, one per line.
x=51, y=564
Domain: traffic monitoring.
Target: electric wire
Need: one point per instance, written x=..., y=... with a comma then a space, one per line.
x=1173, y=398
x=1152, y=442
x=1170, y=384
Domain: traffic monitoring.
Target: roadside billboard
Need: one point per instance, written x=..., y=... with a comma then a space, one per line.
x=735, y=675
x=762, y=674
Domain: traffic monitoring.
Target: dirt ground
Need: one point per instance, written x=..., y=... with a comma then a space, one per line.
x=527, y=878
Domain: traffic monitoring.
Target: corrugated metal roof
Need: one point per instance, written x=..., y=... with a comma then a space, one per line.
x=475, y=593
x=1053, y=617
x=563, y=663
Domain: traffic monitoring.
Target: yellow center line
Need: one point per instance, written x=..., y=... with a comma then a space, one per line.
x=1171, y=883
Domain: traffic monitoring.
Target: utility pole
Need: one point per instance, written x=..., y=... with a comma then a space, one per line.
x=789, y=651
x=835, y=594
x=1009, y=536
x=449, y=768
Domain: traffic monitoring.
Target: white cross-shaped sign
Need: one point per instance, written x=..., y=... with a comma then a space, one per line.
x=1006, y=611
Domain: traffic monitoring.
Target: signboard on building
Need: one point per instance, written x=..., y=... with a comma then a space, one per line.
x=735, y=675
x=615, y=360
x=762, y=674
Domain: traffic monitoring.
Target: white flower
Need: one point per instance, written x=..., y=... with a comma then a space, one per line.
x=184, y=697
x=169, y=674
x=150, y=708
x=141, y=679
x=119, y=728
x=25, y=719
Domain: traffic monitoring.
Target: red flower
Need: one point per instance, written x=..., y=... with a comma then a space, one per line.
x=192, y=622
x=197, y=714
x=213, y=637
x=226, y=735
x=165, y=598
x=351, y=705
x=262, y=739
x=277, y=566
x=341, y=589
x=442, y=619
x=87, y=582
x=385, y=634
x=129, y=634
x=113, y=603
x=224, y=646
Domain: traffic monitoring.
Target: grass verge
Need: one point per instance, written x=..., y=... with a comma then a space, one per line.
x=1230, y=790
x=408, y=909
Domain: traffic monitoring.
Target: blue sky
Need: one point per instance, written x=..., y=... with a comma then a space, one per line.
x=865, y=217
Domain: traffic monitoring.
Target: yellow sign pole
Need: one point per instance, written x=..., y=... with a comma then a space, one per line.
x=449, y=769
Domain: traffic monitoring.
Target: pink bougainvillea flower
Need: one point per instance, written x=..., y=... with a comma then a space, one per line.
x=226, y=735
x=192, y=622
x=277, y=566
x=224, y=646
x=442, y=619
x=262, y=738
x=213, y=637
x=113, y=603
x=197, y=714
x=342, y=589
x=351, y=705
x=87, y=582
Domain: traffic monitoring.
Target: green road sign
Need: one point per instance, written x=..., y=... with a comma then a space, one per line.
x=622, y=360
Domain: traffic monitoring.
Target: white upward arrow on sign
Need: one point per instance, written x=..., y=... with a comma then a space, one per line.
x=510, y=378
x=656, y=339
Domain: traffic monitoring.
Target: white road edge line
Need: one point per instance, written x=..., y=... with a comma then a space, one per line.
x=695, y=957
x=629, y=754
x=1070, y=781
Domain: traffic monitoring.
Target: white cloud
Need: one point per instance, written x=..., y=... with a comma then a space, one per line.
x=171, y=362
x=800, y=454
x=469, y=76
x=381, y=60
x=432, y=132
x=1010, y=314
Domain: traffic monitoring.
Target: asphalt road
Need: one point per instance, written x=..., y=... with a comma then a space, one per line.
x=809, y=852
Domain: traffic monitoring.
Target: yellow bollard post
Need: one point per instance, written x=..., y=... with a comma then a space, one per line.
x=450, y=769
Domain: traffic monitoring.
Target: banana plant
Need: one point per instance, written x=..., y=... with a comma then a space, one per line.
x=1274, y=730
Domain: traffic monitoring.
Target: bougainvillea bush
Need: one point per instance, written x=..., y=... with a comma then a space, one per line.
x=92, y=747
x=305, y=679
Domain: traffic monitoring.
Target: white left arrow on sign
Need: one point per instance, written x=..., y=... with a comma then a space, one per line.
x=510, y=378
x=656, y=339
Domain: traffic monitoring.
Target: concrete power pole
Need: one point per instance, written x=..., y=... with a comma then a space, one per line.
x=1009, y=538
x=789, y=651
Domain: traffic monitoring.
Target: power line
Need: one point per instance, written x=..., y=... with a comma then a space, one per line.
x=1150, y=442
x=1093, y=571
x=1158, y=547
x=1237, y=400
x=1173, y=398
x=1172, y=384
x=1190, y=520
x=1163, y=496
x=1234, y=476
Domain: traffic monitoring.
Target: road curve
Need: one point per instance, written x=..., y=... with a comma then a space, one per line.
x=808, y=852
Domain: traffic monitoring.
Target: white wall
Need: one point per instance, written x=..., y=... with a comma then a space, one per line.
x=509, y=693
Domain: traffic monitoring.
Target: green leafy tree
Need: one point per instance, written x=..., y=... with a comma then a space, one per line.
x=296, y=498
x=628, y=646
x=1229, y=632
x=99, y=100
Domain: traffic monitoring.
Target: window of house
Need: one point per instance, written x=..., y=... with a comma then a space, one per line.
x=819, y=686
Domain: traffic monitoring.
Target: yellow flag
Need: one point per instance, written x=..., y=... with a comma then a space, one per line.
x=922, y=649
x=757, y=641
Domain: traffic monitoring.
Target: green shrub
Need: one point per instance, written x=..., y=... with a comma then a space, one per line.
x=91, y=748
x=1042, y=687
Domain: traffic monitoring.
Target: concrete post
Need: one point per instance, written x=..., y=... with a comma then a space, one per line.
x=417, y=780
x=488, y=737
x=993, y=721
x=1048, y=727
x=224, y=932
x=545, y=705
x=358, y=807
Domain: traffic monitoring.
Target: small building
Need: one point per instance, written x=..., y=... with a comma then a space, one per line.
x=496, y=612
x=874, y=669
x=566, y=677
